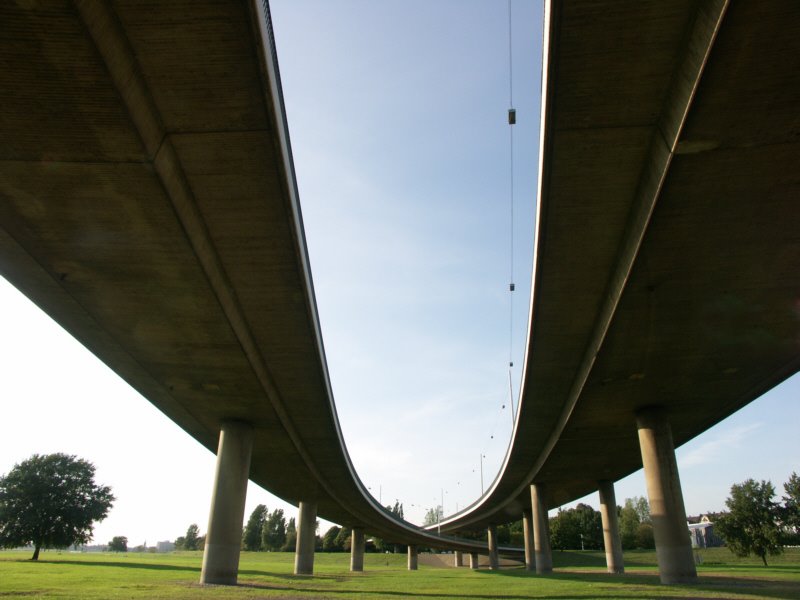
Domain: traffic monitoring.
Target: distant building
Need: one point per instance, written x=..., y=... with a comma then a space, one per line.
x=165, y=546
x=702, y=533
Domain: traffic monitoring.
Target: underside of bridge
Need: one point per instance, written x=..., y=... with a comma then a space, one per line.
x=668, y=257
x=149, y=206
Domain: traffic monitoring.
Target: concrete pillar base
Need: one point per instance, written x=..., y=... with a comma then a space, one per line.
x=494, y=562
x=673, y=546
x=306, y=536
x=458, y=558
x=224, y=534
x=412, y=558
x=541, y=530
x=357, y=550
x=527, y=531
x=611, y=539
x=474, y=560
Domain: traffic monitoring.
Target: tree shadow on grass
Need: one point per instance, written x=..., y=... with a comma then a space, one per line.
x=764, y=586
x=125, y=565
x=330, y=593
x=710, y=566
x=293, y=577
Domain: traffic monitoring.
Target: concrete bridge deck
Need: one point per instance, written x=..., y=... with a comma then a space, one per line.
x=668, y=260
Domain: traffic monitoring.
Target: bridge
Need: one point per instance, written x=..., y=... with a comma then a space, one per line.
x=149, y=205
x=668, y=262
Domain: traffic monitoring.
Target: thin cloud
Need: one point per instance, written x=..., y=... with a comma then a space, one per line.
x=719, y=446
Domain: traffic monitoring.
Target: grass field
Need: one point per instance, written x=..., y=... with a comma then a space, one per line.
x=268, y=575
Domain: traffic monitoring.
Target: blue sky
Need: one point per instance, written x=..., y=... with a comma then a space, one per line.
x=397, y=115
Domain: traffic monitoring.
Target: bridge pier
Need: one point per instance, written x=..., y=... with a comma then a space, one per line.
x=474, y=560
x=611, y=539
x=357, y=549
x=527, y=531
x=412, y=558
x=224, y=534
x=494, y=562
x=306, y=536
x=541, y=530
x=673, y=546
x=458, y=558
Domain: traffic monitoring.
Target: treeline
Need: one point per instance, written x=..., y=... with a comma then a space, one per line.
x=192, y=540
x=269, y=531
x=754, y=524
x=581, y=528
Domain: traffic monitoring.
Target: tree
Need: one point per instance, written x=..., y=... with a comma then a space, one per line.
x=51, y=501
x=251, y=537
x=751, y=524
x=344, y=538
x=635, y=513
x=192, y=538
x=397, y=509
x=119, y=543
x=329, y=539
x=576, y=529
x=291, y=537
x=791, y=503
x=645, y=537
x=433, y=516
x=274, y=535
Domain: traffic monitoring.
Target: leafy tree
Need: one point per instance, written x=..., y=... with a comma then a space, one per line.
x=274, y=534
x=251, y=537
x=343, y=540
x=397, y=509
x=642, y=508
x=577, y=528
x=645, y=538
x=329, y=539
x=191, y=541
x=119, y=543
x=291, y=537
x=510, y=534
x=51, y=501
x=791, y=503
x=751, y=525
x=433, y=516
x=635, y=512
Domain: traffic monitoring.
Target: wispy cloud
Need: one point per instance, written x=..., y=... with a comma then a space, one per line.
x=715, y=449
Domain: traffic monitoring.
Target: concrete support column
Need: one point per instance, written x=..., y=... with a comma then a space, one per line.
x=611, y=539
x=458, y=558
x=224, y=534
x=541, y=530
x=412, y=558
x=357, y=549
x=673, y=546
x=306, y=537
x=494, y=562
x=527, y=531
x=474, y=560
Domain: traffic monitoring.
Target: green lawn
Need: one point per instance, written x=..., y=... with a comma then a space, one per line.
x=268, y=575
